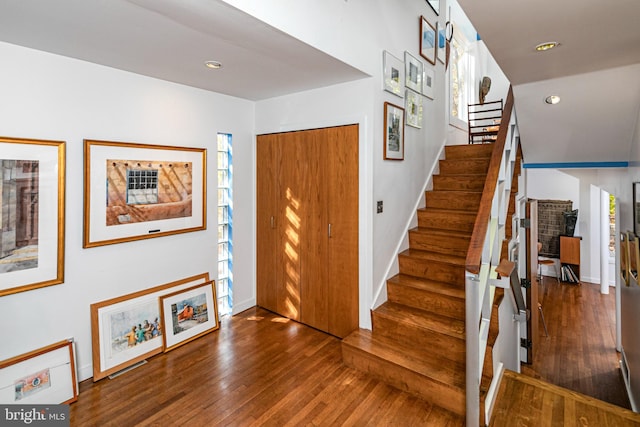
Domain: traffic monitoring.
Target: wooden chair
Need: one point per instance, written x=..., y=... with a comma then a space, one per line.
x=546, y=261
x=484, y=121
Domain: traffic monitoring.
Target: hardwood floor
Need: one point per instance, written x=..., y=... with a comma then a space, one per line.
x=259, y=369
x=263, y=370
x=579, y=353
x=526, y=401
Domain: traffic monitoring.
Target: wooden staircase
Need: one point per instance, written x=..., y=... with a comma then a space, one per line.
x=417, y=342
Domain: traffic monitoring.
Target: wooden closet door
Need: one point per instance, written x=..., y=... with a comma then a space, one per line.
x=289, y=223
x=315, y=307
x=341, y=182
x=266, y=212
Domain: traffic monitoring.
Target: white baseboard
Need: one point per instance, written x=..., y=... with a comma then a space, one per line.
x=239, y=307
x=85, y=372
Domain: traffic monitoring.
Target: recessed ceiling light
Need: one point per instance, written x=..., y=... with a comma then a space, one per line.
x=552, y=99
x=546, y=46
x=214, y=65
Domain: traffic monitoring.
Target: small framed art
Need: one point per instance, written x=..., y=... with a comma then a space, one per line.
x=413, y=108
x=32, y=199
x=139, y=191
x=413, y=72
x=393, y=132
x=46, y=376
x=428, y=42
x=127, y=329
x=442, y=42
x=428, y=83
x=393, y=73
x=188, y=314
x=435, y=5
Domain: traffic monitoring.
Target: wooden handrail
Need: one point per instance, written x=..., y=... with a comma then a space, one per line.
x=474, y=254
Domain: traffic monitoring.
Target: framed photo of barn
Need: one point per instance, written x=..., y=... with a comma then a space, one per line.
x=46, y=376
x=140, y=191
x=32, y=200
x=188, y=314
x=128, y=329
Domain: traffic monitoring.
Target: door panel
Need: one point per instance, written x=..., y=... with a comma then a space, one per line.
x=315, y=301
x=291, y=211
x=266, y=189
x=342, y=180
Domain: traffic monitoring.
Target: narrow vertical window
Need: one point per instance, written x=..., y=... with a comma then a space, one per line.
x=225, y=224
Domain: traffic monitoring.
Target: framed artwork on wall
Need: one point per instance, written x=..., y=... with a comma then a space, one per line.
x=428, y=40
x=46, y=376
x=32, y=195
x=413, y=72
x=140, y=191
x=413, y=108
x=127, y=329
x=393, y=74
x=393, y=132
x=188, y=314
x=428, y=83
x=435, y=5
x=442, y=42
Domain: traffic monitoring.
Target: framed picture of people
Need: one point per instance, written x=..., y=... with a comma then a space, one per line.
x=128, y=329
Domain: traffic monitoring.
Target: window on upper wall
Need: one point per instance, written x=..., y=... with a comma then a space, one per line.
x=461, y=67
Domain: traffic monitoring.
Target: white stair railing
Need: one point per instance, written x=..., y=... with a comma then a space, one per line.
x=484, y=256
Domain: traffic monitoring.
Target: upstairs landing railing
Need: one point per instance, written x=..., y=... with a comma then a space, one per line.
x=484, y=255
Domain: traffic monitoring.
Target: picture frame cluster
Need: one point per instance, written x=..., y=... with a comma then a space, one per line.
x=132, y=192
x=412, y=80
x=131, y=328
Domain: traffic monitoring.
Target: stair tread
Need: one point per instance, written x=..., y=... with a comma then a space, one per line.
x=420, y=361
x=449, y=211
x=434, y=256
x=423, y=319
x=440, y=232
x=469, y=193
x=463, y=175
x=428, y=285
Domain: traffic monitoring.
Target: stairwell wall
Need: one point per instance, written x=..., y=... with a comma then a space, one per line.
x=357, y=32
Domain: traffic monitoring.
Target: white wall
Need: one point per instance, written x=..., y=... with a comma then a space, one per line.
x=357, y=32
x=46, y=96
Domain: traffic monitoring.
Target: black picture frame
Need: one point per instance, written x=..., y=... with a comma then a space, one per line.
x=435, y=5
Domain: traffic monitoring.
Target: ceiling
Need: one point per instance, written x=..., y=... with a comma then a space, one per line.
x=595, y=70
x=171, y=40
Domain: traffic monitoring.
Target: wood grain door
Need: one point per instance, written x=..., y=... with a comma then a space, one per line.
x=266, y=215
x=315, y=307
x=291, y=211
x=308, y=247
x=342, y=207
